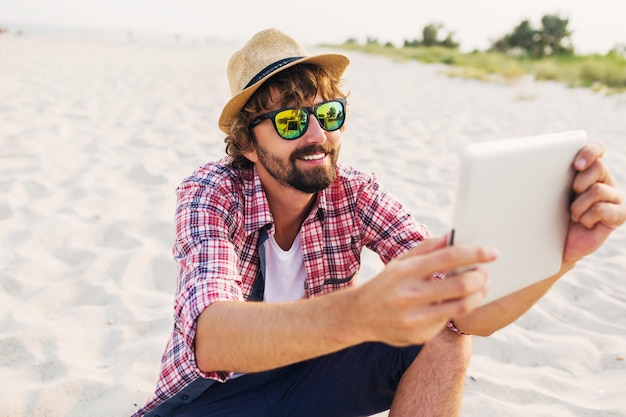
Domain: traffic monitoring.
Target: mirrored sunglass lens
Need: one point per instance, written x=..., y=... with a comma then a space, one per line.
x=290, y=124
x=331, y=115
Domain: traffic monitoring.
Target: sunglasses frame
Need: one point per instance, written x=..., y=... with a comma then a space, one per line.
x=308, y=110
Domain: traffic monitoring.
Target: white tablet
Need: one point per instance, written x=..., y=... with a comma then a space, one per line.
x=514, y=195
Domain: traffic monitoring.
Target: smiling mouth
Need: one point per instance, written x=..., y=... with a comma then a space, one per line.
x=314, y=157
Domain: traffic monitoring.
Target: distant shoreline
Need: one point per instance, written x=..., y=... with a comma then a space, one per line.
x=68, y=32
x=601, y=73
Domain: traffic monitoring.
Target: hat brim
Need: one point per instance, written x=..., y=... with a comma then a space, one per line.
x=335, y=64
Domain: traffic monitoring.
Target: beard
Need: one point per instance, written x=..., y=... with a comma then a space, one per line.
x=310, y=180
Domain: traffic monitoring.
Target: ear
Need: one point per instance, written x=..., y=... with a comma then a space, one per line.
x=251, y=155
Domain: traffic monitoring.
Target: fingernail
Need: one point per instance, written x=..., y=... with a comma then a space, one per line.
x=493, y=253
x=580, y=163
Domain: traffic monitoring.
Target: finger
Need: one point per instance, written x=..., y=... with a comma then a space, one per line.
x=609, y=214
x=443, y=259
x=451, y=288
x=588, y=155
x=594, y=173
x=584, y=204
x=463, y=306
x=451, y=308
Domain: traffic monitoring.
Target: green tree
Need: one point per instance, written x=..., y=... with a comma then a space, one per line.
x=523, y=40
x=553, y=38
x=430, y=37
x=412, y=44
x=448, y=42
x=430, y=34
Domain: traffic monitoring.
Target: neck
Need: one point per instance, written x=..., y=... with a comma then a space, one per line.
x=290, y=209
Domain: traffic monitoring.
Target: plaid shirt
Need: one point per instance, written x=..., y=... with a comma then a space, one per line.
x=220, y=215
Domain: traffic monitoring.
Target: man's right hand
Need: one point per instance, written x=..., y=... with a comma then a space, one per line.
x=404, y=305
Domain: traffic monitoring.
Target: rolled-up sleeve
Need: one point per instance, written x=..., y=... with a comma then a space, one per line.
x=206, y=257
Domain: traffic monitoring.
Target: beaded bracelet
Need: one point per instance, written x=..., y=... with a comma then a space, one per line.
x=452, y=327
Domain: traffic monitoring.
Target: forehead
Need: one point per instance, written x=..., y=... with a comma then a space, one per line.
x=278, y=99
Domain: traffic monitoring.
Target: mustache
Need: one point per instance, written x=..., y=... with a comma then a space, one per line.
x=312, y=149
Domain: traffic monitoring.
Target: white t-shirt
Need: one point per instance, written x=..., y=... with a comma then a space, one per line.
x=284, y=271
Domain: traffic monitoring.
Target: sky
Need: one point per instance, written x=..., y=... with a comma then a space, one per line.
x=598, y=25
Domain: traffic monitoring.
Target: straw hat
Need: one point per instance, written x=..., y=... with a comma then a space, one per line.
x=266, y=54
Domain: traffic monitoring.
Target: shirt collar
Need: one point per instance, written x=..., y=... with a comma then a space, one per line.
x=258, y=214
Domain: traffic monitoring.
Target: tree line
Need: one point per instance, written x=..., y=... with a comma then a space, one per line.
x=551, y=38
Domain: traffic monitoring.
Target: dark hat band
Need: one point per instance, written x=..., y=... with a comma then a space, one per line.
x=271, y=68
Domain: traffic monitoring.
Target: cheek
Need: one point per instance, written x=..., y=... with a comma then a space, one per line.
x=334, y=138
x=270, y=143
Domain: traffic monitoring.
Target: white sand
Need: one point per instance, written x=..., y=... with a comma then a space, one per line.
x=94, y=138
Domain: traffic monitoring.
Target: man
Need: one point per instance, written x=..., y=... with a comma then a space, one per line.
x=267, y=319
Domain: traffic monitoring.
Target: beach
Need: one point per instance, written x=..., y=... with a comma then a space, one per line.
x=95, y=136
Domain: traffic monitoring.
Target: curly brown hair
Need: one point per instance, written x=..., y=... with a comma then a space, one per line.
x=299, y=84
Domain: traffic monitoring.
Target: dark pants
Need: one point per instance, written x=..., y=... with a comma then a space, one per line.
x=358, y=381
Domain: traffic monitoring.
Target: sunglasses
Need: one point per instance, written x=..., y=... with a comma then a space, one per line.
x=290, y=123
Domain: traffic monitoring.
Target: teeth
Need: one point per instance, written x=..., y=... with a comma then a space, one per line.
x=314, y=157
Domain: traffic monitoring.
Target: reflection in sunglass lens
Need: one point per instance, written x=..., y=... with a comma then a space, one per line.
x=291, y=124
x=330, y=115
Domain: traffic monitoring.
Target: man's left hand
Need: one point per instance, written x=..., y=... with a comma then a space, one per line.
x=598, y=207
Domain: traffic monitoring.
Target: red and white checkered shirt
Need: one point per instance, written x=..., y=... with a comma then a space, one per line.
x=220, y=214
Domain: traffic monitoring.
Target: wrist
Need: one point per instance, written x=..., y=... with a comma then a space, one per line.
x=567, y=266
x=345, y=317
x=452, y=327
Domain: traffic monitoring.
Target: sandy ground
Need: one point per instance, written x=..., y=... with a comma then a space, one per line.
x=96, y=135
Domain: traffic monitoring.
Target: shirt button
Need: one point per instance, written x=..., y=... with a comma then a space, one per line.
x=185, y=397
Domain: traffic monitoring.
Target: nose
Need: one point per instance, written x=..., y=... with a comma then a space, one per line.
x=314, y=132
